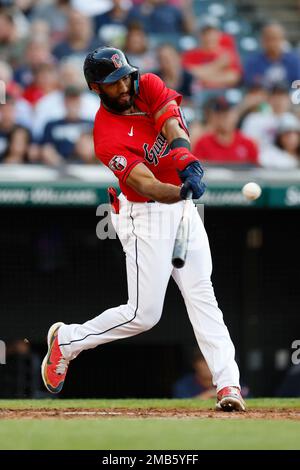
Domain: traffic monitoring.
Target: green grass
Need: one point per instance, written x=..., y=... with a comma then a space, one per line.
x=151, y=433
x=147, y=434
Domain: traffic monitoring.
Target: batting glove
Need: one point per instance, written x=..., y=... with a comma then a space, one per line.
x=191, y=177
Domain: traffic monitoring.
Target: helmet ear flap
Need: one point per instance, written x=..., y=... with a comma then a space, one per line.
x=135, y=82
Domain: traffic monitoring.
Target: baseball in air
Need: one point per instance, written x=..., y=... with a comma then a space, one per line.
x=251, y=191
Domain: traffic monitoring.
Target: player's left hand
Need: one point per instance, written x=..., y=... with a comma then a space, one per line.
x=191, y=177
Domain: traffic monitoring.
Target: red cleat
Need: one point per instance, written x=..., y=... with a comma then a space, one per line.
x=54, y=366
x=230, y=399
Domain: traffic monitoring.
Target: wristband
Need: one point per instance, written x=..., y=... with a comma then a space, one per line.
x=180, y=142
x=182, y=157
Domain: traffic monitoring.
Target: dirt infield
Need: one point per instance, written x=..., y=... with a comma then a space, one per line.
x=181, y=413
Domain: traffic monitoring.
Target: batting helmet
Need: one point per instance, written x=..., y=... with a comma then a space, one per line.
x=108, y=65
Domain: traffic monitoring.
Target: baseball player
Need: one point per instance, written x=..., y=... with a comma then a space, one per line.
x=140, y=134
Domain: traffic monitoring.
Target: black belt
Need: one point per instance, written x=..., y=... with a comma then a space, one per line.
x=150, y=201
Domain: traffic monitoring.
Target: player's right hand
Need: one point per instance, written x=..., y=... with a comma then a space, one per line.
x=191, y=184
x=191, y=177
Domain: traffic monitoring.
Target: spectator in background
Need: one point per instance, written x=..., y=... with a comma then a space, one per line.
x=40, y=29
x=45, y=80
x=116, y=16
x=255, y=100
x=60, y=136
x=187, y=9
x=177, y=3
x=205, y=125
x=6, y=75
x=273, y=64
x=262, y=125
x=55, y=13
x=52, y=106
x=290, y=385
x=215, y=63
x=26, y=6
x=196, y=384
x=20, y=20
x=37, y=53
x=18, y=146
x=8, y=123
x=23, y=111
x=20, y=378
x=79, y=40
x=285, y=152
x=225, y=144
x=137, y=49
x=92, y=7
x=84, y=149
x=185, y=6
x=171, y=72
x=209, y=114
x=158, y=17
x=12, y=45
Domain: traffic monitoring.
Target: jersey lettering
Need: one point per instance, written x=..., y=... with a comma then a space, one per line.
x=157, y=150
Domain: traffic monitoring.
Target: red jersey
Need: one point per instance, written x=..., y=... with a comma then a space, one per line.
x=122, y=141
x=240, y=150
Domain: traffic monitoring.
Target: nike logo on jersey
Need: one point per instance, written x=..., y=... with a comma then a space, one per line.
x=131, y=132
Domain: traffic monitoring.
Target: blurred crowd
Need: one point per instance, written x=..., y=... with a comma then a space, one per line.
x=239, y=102
x=197, y=383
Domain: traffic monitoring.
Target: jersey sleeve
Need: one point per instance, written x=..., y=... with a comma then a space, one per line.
x=121, y=163
x=155, y=93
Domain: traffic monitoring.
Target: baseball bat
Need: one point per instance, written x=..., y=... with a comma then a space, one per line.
x=182, y=236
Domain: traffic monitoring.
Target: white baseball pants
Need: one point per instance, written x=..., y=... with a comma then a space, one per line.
x=147, y=232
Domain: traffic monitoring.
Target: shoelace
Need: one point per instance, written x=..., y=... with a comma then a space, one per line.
x=62, y=366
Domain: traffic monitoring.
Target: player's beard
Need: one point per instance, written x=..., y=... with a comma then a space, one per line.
x=115, y=105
